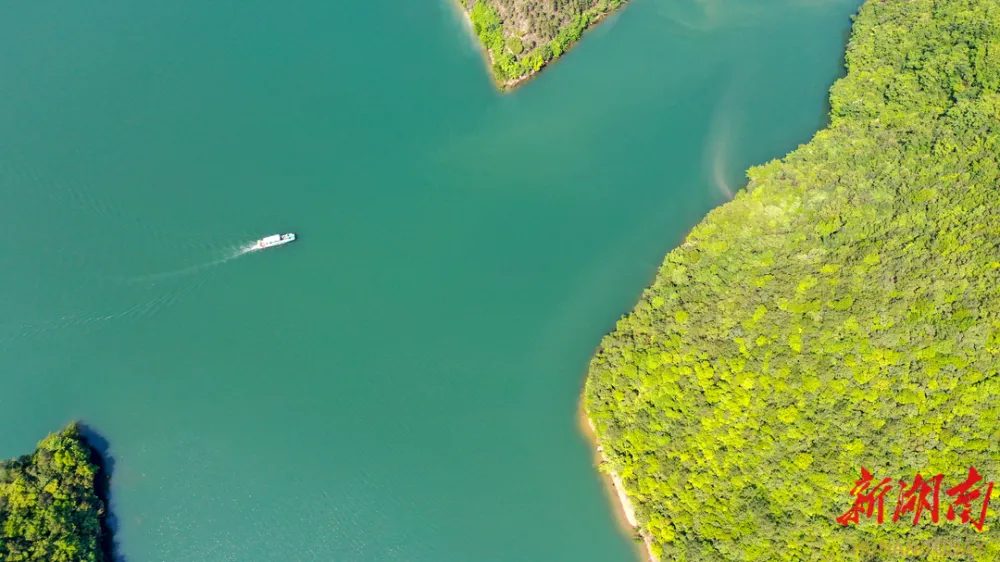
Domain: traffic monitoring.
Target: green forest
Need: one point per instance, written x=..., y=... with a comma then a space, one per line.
x=49, y=509
x=522, y=36
x=843, y=311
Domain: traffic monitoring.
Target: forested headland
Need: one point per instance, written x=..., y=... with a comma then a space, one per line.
x=522, y=36
x=843, y=311
x=49, y=507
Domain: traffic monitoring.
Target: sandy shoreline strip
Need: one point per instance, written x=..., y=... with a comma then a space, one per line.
x=625, y=514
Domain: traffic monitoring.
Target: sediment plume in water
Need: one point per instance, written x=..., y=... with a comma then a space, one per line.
x=717, y=144
x=718, y=154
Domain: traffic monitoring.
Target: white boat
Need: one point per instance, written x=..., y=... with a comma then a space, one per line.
x=275, y=240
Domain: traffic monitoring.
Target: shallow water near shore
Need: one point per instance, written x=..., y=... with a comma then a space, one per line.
x=401, y=383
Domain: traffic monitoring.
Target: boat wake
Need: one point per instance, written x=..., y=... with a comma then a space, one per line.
x=232, y=254
x=146, y=307
x=153, y=298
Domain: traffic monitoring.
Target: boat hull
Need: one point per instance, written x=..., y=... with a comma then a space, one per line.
x=275, y=240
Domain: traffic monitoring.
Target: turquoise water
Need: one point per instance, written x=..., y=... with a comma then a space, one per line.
x=401, y=383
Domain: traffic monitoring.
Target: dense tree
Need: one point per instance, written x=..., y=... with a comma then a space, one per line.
x=49, y=511
x=522, y=36
x=842, y=312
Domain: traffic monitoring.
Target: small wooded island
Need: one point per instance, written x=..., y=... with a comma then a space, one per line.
x=49, y=507
x=523, y=36
x=842, y=312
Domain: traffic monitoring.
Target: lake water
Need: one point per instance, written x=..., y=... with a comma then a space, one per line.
x=401, y=384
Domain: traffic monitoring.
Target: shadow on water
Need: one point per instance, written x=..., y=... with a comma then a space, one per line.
x=101, y=456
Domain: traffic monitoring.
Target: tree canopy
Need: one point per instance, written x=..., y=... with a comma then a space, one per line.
x=49, y=510
x=843, y=311
x=522, y=36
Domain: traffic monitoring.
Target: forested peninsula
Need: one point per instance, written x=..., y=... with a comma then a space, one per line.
x=843, y=311
x=523, y=36
x=49, y=507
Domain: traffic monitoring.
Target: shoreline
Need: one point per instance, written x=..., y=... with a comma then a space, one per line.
x=100, y=456
x=614, y=487
x=512, y=84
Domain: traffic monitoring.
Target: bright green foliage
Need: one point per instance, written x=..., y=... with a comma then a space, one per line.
x=514, y=45
x=522, y=36
x=487, y=25
x=49, y=511
x=842, y=311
